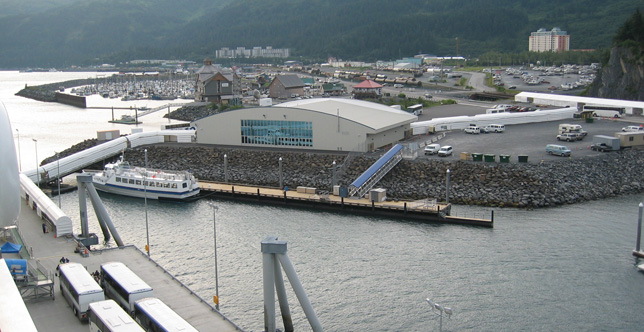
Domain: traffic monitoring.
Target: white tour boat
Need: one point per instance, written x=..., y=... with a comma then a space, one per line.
x=123, y=179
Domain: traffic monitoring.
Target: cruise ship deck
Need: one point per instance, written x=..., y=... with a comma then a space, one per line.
x=54, y=314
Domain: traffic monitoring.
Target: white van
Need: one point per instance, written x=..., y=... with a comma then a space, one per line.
x=473, y=129
x=493, y=128
x=558, y=150
x=432, y=148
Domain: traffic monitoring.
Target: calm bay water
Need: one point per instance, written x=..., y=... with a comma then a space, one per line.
x=561, y=269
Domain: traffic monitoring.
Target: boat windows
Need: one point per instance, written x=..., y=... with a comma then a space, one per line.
x=185, y=185
x=118, y=179
x=166, y=185
x=174, y=185
x=159, y=184
x=138, y=182
x=131, y=181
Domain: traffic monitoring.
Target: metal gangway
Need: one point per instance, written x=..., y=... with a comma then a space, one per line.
x=158, y=108
x=377, y=171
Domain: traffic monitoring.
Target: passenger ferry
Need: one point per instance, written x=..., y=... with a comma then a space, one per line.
x=123, y=179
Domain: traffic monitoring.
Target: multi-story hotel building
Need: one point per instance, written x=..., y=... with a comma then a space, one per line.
x=555, y=40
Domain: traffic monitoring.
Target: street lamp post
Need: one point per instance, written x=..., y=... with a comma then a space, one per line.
x=145, y=199
x=335, y=178
x=19, y=155
x=37, y=164
x=441, y=310
x=225, y=168
x=58, y=179
x=214, y=231
x=281, y=175
x=447, y=187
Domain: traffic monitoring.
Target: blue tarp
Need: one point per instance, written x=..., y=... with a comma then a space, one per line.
x=11, y=248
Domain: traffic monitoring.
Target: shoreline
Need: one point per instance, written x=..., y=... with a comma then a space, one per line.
x=518, y=185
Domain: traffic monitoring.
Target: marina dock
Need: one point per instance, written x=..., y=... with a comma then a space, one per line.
x=420, y=210
x=53, y=314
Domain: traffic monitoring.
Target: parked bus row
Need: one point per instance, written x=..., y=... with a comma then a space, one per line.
x=130, y=304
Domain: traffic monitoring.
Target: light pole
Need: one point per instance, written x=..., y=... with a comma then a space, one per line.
x=225, y=168
x=335, y=179
x=214, y=231
x=447, y=187
x=145, y=199
x=58, y=179
x=37, y=164
x=281, y=175
x=440, y=309
x=19, y=155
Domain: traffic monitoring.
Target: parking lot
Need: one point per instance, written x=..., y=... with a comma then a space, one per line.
x=524, y=139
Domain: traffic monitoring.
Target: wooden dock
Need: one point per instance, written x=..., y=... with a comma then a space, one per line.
x=421, y=210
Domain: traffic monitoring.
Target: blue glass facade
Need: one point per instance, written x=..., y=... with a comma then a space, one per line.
x=277, y=132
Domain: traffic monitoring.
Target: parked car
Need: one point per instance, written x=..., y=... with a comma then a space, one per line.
x=602, y=147
x=633, y=128
x=445, y=151
x=568, y=137
x=559, y=150
x=432, y=148
x=473, y=130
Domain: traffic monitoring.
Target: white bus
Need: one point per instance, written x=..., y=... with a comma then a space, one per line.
x=79, y=288
x=415, y=109
x=107, y=316
x=14, y=316
x=123, y=285
x=604, y=111
x=155, y=316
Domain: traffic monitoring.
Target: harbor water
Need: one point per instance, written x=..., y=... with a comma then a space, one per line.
x=560, y=269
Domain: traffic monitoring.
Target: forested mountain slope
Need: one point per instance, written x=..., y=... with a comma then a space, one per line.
x=121, y=30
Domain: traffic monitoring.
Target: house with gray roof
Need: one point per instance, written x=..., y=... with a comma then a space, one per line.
x=284, y=86
x=216, y=85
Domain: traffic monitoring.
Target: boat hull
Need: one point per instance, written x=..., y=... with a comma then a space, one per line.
x=150, y=193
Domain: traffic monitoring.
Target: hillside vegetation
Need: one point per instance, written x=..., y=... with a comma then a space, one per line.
x=71, y=32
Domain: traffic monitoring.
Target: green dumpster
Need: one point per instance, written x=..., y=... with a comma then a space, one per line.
x=489, y=158
x=477, y=157
x=590, y=119
x=523, y=159
x=504, y=158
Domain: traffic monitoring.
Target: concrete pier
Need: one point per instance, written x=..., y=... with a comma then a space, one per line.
x=55, y=315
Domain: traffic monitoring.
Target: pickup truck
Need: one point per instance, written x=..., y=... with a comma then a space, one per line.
x=602, y=147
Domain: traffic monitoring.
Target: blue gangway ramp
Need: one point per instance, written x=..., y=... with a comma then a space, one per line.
x=375, y=172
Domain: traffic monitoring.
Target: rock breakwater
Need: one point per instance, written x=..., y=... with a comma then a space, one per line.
x=530, y=185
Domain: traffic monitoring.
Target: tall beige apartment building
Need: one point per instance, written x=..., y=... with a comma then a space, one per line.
x=555, y=40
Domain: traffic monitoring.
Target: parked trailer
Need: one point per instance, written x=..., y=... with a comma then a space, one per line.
x=630, y=139
x=612, y=142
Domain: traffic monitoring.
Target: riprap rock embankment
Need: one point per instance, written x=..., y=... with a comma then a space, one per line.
x=530, y=185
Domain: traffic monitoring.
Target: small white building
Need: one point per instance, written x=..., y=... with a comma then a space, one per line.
x=317, y=124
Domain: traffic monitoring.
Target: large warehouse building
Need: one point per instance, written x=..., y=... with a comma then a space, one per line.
x=317, y=124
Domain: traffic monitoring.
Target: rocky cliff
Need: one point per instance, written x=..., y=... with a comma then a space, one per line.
x=621, y=78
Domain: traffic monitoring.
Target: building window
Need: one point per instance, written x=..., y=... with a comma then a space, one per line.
x=277, y=132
